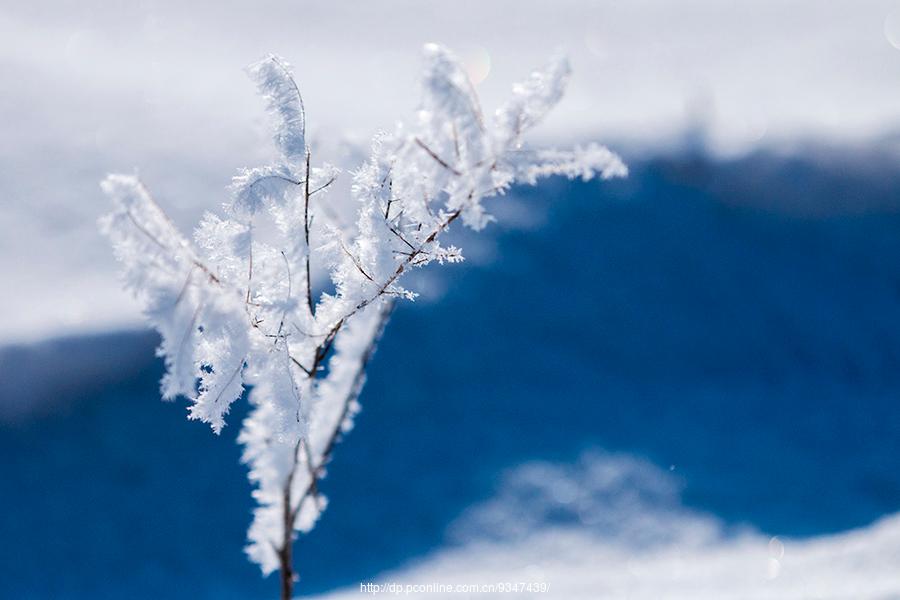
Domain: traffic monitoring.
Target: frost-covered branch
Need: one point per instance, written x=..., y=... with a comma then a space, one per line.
x=236, y=310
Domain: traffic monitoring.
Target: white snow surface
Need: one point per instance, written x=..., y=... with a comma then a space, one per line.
x=612, y=527
x=94, y=87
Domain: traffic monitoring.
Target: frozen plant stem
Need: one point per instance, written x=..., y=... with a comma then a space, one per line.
x=233, y=309
x=285, y=551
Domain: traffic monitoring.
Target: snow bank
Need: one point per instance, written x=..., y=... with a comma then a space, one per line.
x=612, y=527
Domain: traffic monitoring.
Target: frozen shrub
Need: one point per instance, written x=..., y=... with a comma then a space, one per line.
x=235, y=309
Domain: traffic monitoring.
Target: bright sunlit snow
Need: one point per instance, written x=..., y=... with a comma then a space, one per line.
x=612, y=527
x=93, y=88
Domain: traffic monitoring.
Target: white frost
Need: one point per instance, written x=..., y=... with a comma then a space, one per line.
x=237, y=306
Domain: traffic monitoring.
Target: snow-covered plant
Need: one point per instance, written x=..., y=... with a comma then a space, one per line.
x=236, y=306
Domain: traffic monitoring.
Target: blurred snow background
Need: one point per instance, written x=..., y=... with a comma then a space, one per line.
x=740, y=315
x=612, y=527
x=93, y=87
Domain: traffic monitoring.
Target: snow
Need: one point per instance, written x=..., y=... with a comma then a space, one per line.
x=92, y=89
x=611, y=526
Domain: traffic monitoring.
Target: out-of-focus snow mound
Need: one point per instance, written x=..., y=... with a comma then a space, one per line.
x=611, y=526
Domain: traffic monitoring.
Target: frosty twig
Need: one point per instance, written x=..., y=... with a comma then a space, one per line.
x=254, y=317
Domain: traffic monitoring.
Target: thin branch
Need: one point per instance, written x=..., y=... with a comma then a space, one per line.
x=439, y=160
x=285, y=558
x=323, y=186
x=310, y=470
x=288, y=299
x=163, y=247
x=306, y=195
x=390, y=183
x=349, y=400
x=355, y=261
x=160, y=210
x=272, y=176
x=402, y=239
x=289, y=511
x=407, y=262
x=280, y=336
x=294, y=387
x=287, y=265
x=290, y=77
x=184, y=288
x=190, y=330
x=143, y=230
x=230, y=379
x=307, y=334
x=325, y=346
x=304, y=369
x=250, y=270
